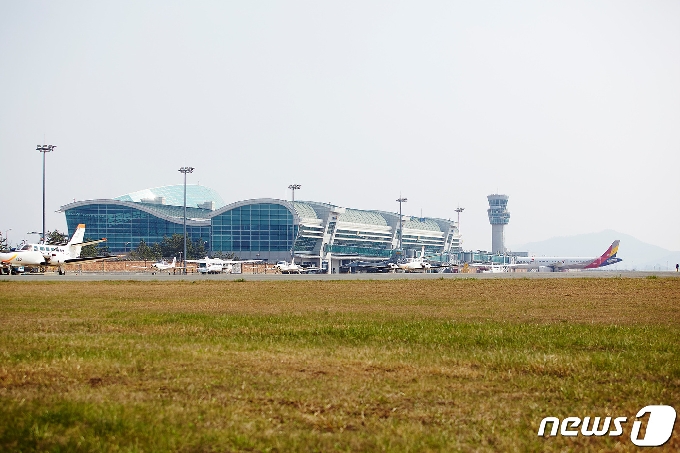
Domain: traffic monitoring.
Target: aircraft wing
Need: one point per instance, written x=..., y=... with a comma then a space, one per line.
x=241, y=261
x=90, y=242
x=91, y=258
x=205, y=260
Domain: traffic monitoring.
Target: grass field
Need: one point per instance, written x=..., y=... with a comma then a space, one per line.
x=404, y=365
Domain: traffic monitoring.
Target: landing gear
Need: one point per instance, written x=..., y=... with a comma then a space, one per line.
x=61, y=271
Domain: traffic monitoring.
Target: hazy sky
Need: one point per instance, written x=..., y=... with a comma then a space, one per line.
x=571, y=108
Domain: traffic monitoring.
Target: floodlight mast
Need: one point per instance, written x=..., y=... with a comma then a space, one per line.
x=44, y=149
x=293, y=188
x=459, y=210
x=185, y=170
x=401, y=226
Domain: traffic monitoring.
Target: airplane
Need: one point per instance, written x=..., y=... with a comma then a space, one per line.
x=415, y=265
x=218, y=266
x=419, y=264
x=292, y=268
x=560, y=263
x=48, y=255
x=371, y=267
x=163, y=265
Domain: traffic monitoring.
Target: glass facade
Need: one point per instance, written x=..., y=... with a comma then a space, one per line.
x=265, y=227
x=124, y=226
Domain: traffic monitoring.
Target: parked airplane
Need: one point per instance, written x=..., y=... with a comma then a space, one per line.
x=371, y=267
x=559, y=263
x=163, y=265
x=418, y=264
x=218, y=266
x=415, y=265
x=39, y=255
x=285, y=268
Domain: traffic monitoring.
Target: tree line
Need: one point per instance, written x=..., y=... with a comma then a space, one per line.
x=168, y=247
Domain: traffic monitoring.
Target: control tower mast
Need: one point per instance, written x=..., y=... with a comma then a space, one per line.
x=498, y=218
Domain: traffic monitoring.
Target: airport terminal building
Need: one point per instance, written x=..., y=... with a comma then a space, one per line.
x=262, y=228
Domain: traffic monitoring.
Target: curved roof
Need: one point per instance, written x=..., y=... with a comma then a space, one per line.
x=174, y=195
x=313, y=212
x=362, y=217
x=305, y=211
x=286, y=204
x=195, y=216
x=422, y=224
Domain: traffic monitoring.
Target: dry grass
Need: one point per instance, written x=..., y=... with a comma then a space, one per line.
x=354, y=365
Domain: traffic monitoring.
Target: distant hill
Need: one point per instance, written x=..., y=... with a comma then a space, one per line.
x=635, y=253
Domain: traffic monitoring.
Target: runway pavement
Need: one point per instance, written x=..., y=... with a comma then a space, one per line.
x=104, y=276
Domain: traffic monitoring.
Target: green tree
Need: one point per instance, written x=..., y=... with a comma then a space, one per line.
x=174, y=245
x=156, y=251
x=197, y=250
x=56, y=237
x=144, y=252
x=225, y=255
x=93, y=250
x=3, y=243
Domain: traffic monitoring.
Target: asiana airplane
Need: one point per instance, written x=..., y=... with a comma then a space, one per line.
x=561, y=263
x=47, y=255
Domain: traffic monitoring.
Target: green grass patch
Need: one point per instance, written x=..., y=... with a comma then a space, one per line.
x=353, y=366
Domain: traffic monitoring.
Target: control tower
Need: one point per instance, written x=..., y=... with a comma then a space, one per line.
x=498, y=218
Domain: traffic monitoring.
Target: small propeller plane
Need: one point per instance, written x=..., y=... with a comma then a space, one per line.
x=218, y=266
x=289, y=268
x=418, y=264
x=163, y=265
x=48, y=255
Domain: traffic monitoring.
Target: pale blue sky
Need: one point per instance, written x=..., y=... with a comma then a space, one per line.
x=571, y=108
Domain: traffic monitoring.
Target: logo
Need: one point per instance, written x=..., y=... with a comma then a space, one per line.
x=658, y=429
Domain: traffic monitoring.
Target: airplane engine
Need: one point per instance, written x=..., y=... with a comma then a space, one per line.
x=544, y=269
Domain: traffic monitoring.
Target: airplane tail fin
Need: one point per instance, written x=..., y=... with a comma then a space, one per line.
x=78, y=235
x=76, y=243
x=611, y=251
x=77, y=239
x=174, y=261
x=606, y=258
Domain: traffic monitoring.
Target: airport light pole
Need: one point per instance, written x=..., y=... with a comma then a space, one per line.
x=459, y=210
x=185, y=170
x=44, y=149
x=401, y=219
x=293, y=188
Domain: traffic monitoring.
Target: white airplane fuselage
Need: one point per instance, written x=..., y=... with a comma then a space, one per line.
x=218, y=266
x=285, y=268
x=553, y=261
x=164, y=266
x=415, y=265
